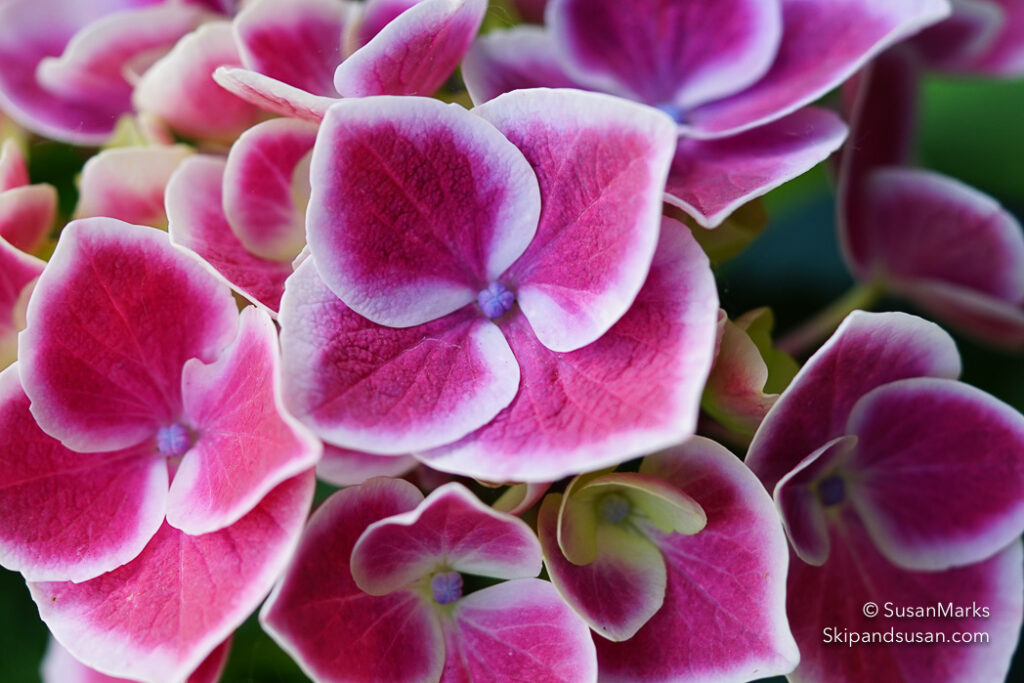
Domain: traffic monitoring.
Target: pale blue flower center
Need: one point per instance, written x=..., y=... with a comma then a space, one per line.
x=173, y=440
x=832, y=490
x=496, y=300
x=614, y=508
x=674, y=110
x=446, y=587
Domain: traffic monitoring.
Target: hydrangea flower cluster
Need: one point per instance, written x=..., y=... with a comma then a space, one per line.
x=454, y=260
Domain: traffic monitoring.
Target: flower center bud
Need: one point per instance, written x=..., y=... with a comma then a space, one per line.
x=446, y=587
x=173, y=440
x=614, y=508
x=496, y=300
x=832, y=490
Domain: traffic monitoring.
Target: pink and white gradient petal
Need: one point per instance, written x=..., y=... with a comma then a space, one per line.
x=18, y=274
x=266, y=187
x=824, y=42
x=13, y=168
x=375, y=15
x=112, y=321
x=415, y=53
x=984, y=318
x=710, y=179
x=867, y=351
x=1004, y=57
x=178, y=88
x=635, y=390
x=450, y=531
x=601, y=163
x=343, y=467
x=27, y=214
x=416, y=207
x=664, y=54
x=384, y=390
x=938, y=473
x=329, y=626
x=79, y=514
x=246, y=442
x=195, y=213
x=272, y=95
x=159, y=616
x=60, y=667
x=521, y=628
x=725, y=598
x=517, y=59
x=128, y=183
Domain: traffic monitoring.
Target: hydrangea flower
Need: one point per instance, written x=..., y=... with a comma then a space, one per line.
x=679, y=569
x=735, y=91
x=497, y=279
x=380, y=590
x=900, y=486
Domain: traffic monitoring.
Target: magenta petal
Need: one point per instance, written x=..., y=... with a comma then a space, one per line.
x=298, y=42
x=197, y=222
x=724, y=613
x=375, y=15
x=246, y=443
x=994, y=322
x=386, y=390
x=667, y=53
x=60, y=667
x=266, y=186
x=517, y=59
x=159, y=616
x=333, y=629
x=523, y=630
x=938, y=473
x=828, y=602
x=179, y=88
x=1004, y=56
x=415, y=53
x=128, y=183
x=113, y=319
x=952, y=44
x=13, y=169
x=342, y=467
x=416, y=207
x=867, y=351
x=710, y=179
x=273, y=95
x=450, y=531
x=18, y=272
x=635, y=390
x=61, y=499
x=601, y=163
x=824, y=42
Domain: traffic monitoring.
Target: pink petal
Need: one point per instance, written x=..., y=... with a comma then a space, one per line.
x=128, y=183
x=113, y=319
x=517, y=59
x=246, y=443
x=415, y=53
x=78, y=514
x=938, y=474
x=1005, y=55
x=273, y=95
x=60, y=667
x=710, y=179
x=385, y=390
x=833, y=597
x=724, y=613
x=523, y=630
x=824, y=42
x=667, y=54
x=601, y=163
x=867, y=351
x=266, y=187
x=18, y=273
x=450, y=531
x=952, y=45
x=376, y=14
x=159, y=616
x=333, y=629
x=989, y=320
x=298, y=42
x=635, y=390
x=197, y=222
x=179, y=88
x=616, y=593
x=342, y=467
x=27, y=214
x=416, y=207
x=13, y=169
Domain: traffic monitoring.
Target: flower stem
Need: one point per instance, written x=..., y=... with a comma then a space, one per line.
x=808, y=335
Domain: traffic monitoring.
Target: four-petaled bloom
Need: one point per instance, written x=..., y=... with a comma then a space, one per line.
x=900, y=486
x=377, y=592
x=498, y=286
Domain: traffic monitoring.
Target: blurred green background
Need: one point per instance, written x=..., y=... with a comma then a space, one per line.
x=970, y=130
